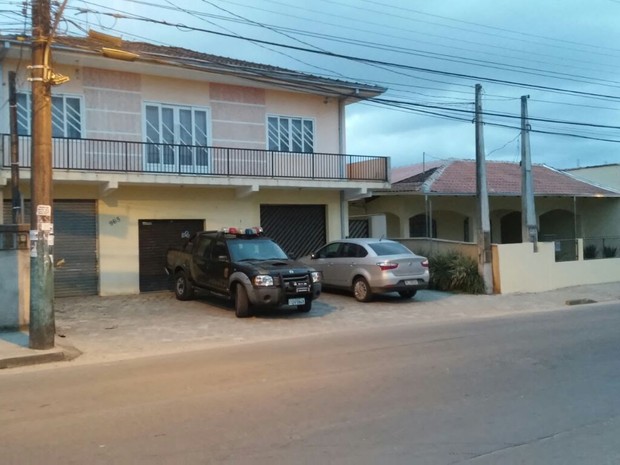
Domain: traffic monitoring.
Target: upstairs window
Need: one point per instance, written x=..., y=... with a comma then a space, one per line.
x=287, y=134
x=66, y=116
x=177, y=138
x=23, y=114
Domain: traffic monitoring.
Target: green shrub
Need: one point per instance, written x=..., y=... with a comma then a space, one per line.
x=453, y=271
x=609, y=252
x=589, y=251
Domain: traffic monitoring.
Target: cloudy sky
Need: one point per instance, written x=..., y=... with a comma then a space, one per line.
x=565, y=55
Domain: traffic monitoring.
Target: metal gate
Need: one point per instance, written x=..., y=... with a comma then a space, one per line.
x=75, y=246
x=359, y=228
x=299, y=229
x=155, y=238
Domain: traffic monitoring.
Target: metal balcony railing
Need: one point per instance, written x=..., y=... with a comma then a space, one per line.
x=142, y=157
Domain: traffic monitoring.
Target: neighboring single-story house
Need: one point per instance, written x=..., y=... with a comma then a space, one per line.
x=438, y=200
x=433, y=208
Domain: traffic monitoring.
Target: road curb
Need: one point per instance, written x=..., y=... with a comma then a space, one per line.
x=62, y=353
x=32, y=359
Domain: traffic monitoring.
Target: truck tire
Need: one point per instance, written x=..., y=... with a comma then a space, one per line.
x=361, y=289
x=242, y=304
x=183, y=289
x=305, y=308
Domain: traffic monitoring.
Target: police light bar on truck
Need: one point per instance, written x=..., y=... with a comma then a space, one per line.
x=254, y=231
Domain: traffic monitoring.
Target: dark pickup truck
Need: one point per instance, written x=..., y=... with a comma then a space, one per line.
x=245, y=266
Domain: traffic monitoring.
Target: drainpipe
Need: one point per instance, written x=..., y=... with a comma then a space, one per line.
x=342, y=150
x=575, y=215
x=575, y=225
x=17, y=214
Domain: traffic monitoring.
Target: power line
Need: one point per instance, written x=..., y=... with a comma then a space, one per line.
x=419, y=107
x=373, y=61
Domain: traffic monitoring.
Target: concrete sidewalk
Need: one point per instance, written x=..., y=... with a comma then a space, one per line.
x=98, y=329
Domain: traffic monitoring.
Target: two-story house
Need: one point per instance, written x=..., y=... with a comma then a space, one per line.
x=152, y=143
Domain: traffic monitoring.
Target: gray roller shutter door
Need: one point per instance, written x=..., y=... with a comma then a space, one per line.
x=75, y=246
x=155, y=238
x=299, y=229
x=75, y=228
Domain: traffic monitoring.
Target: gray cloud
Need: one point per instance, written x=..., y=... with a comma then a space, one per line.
x=565, y=45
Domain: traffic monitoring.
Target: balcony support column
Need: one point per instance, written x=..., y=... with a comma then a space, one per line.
x=108, y=187
x=246, y=191
x=356, y=194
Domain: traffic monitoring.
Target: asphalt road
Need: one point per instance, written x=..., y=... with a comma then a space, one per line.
x=533, y=389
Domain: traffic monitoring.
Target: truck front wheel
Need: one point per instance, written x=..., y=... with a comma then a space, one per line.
x=242, y=304
x=306, y=307
x=183, y=290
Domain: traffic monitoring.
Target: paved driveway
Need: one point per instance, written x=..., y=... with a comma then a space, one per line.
x=125, y=326
x=110, y=328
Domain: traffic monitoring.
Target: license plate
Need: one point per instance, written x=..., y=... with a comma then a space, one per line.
x=411, y=282
x=297, y=301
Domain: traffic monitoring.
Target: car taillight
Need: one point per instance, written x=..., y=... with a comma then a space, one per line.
x=424, y=263
x=387, y=266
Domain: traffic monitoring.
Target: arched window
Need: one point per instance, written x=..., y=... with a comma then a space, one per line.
x=418, y=226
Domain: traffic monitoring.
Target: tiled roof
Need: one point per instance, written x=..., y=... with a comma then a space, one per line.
x=458, y=177
x=403, y=173
x=182, y=57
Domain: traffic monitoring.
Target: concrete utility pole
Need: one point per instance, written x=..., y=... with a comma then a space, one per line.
x=42, y=323
x=529, y=228
x=17, y=214
x=485, y=265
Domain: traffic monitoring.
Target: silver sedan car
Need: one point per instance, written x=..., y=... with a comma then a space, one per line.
x=370, y=266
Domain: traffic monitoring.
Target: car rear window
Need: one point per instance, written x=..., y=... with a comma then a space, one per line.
x=389, y=248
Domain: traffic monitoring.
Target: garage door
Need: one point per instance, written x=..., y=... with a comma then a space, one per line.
x=75, y=246
x=155, y=238
x=299, y=229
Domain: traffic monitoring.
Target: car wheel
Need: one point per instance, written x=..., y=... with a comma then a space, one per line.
x=183, y=290
x=307, y=306
x=242, y=304
x=361, y=290
x=407, y=294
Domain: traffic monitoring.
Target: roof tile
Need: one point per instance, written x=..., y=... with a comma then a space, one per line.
x=458, y=177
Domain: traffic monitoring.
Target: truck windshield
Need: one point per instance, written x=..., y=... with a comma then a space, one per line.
x=255, y=249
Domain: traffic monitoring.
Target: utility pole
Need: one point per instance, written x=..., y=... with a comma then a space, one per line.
x=529, y=228
x=485, y=265
x=17, y=214
x=42, y=323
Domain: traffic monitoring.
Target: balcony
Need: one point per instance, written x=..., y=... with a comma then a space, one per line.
x=112, y=156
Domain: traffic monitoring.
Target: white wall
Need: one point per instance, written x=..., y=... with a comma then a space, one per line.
x=605, y=175
x=14, y=288
x=120, y=212
x=517, y=268
x=430, y=247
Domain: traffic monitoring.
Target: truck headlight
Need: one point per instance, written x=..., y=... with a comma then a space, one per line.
x=316, y=276
x=263, y=280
